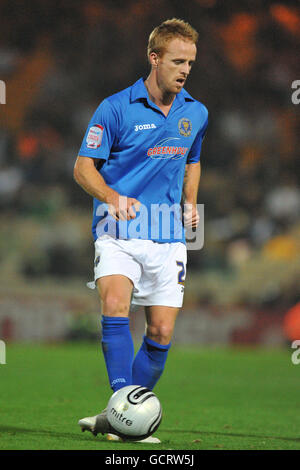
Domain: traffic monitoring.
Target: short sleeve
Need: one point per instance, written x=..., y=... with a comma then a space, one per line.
x=194, y=153
x=101, y=133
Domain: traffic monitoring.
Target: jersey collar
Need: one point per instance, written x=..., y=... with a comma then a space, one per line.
x=139, y=92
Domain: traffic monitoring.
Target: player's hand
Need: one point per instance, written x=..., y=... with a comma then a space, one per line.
x=191, y=216
x=123, y=207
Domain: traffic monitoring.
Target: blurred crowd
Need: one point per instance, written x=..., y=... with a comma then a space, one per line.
x=60, y=59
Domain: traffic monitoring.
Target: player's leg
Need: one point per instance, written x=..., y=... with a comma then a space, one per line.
x=117, y=345
x=162, y=287
x=115, y=293
x=150, y=360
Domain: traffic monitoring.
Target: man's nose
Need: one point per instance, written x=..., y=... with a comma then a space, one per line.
x=185, y=69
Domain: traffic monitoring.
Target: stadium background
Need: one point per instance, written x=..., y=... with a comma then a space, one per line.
x=59, y=60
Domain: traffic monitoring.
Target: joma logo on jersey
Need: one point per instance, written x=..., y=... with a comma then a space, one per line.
x=141, y=127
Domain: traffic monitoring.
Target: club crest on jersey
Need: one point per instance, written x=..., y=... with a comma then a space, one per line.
x=185, y=127
x=94, y=137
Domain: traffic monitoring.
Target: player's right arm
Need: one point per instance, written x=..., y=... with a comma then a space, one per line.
x=88, y=177
x=100, y=135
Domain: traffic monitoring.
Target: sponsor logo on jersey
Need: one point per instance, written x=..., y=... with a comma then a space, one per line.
x=185, y=127
x=141, y=127
x=161, y=151
x=94, y=137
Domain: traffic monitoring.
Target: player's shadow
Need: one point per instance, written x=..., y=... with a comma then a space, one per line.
x=88, y=437
x=231, y=434
x=72, y=436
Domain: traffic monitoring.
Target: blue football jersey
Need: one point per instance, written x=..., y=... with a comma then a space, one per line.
x=143, y=155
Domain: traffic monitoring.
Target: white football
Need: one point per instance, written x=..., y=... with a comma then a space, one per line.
x=134, y=412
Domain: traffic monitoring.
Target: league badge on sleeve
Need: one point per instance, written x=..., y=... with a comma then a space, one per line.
x=94, y=137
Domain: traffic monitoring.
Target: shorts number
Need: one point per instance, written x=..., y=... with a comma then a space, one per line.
x=181, y=274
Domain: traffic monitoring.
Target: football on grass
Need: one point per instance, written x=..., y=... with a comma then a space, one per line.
x=134, y=412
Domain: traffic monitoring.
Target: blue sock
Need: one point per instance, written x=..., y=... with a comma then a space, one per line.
x=149, y=363
x=118, y=350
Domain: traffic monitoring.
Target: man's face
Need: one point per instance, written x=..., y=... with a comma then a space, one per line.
x=174, y=66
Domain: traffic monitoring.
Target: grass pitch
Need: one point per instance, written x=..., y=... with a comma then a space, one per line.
x=211, y=399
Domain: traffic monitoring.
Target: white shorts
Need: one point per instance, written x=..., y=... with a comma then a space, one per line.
x=157, y=270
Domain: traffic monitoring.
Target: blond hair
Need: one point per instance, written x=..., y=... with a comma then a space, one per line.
x=170, y=29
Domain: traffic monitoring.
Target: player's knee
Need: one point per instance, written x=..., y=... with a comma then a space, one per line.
x=161, y=333
x=113, y=305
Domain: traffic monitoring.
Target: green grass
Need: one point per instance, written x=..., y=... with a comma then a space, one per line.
x=211, y=398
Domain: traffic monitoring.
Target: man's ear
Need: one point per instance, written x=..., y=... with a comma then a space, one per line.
x=153, y=59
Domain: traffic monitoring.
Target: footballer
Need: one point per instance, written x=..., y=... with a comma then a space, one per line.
x=140, y=156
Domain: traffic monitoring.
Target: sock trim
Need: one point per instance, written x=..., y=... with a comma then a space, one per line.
x=107, y=319
x=150, y=342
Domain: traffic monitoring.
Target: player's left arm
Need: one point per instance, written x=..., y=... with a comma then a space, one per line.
x=192, y=175
x=190, y=192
